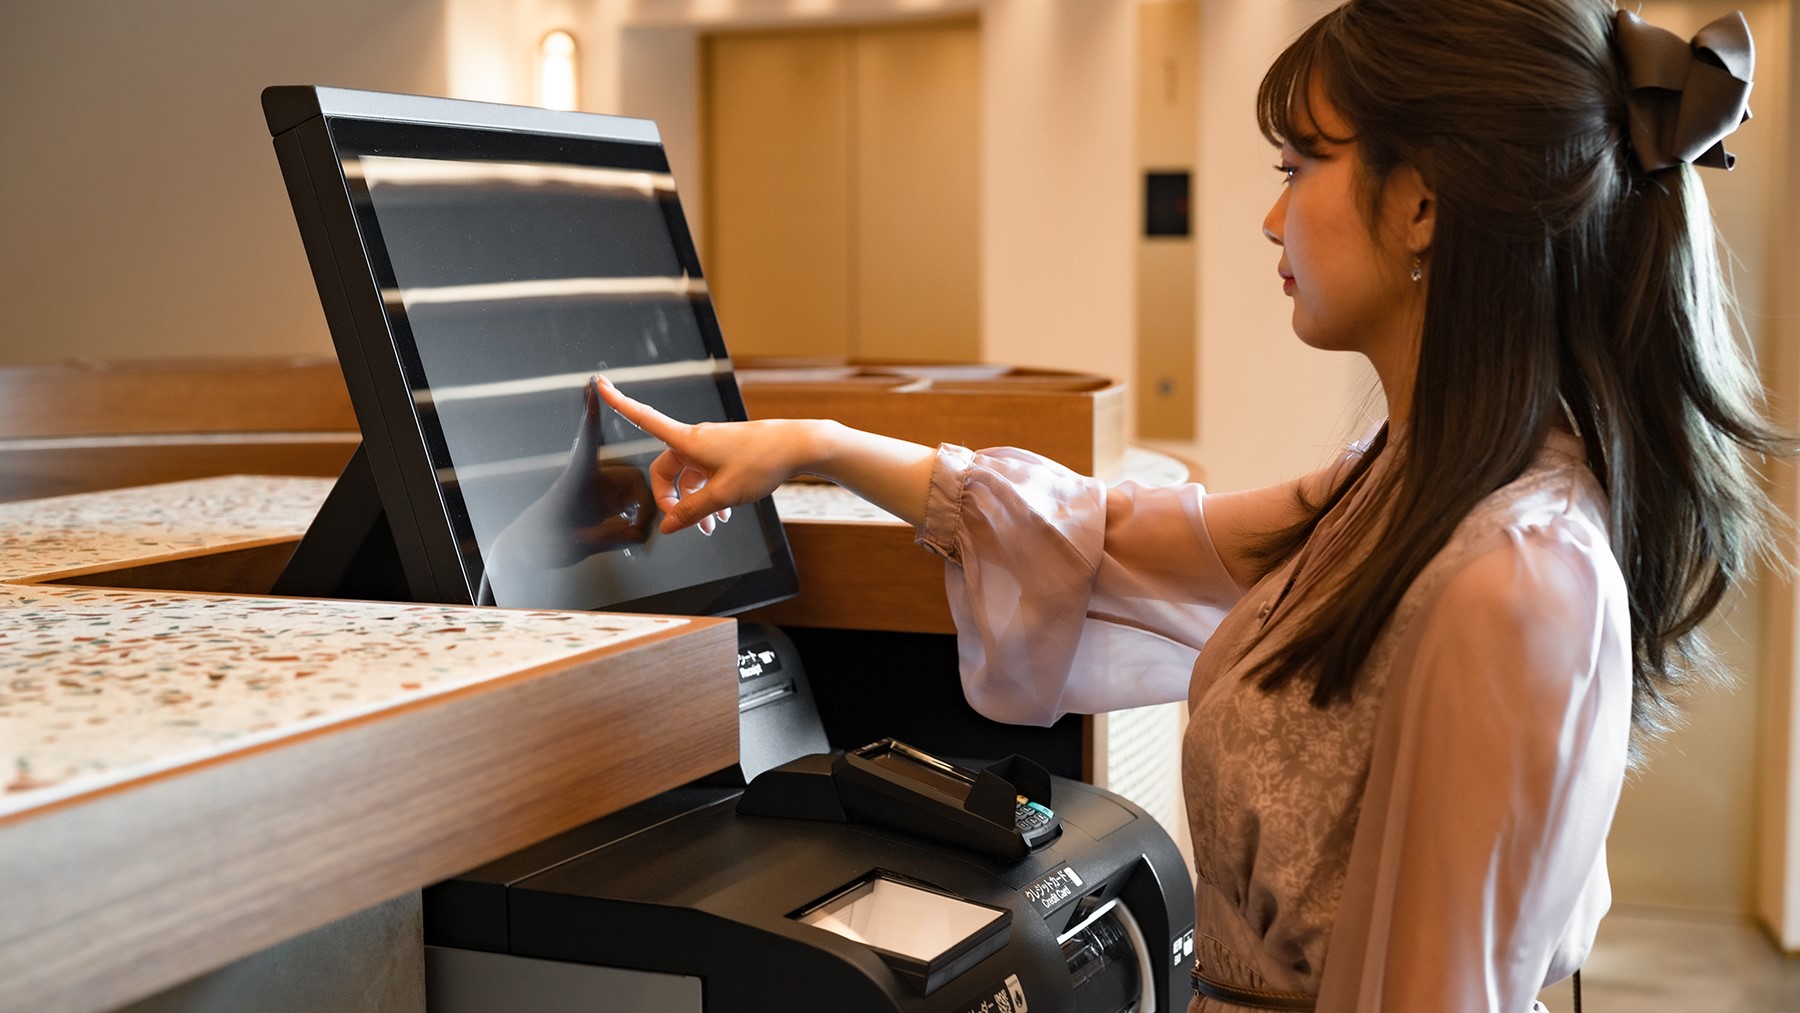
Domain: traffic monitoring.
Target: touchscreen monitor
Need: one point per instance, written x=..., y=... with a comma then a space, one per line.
x=479, y=264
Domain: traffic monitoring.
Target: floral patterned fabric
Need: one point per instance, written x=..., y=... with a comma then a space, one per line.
x=1435, y=843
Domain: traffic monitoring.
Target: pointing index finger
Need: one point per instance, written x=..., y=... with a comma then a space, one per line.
x=639, y=414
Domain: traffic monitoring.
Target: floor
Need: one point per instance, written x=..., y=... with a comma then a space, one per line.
x=1648, y=961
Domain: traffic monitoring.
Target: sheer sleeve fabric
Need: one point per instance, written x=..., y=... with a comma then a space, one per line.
x=1483, y=875
x=1069, y=596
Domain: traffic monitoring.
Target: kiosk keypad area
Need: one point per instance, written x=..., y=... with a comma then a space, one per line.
x=477, y=265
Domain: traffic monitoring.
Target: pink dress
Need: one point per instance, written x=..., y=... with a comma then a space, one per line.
x=1437, y=843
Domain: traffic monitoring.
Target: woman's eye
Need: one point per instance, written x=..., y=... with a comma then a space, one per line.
x=1287, y=170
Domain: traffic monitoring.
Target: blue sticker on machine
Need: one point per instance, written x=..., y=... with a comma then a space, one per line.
x=1006, y=997
x=1047, y=892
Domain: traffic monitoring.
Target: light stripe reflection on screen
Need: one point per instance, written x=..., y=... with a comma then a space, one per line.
x=542, y=462
x=386, y=170
x=544, y=288
x=571, y=381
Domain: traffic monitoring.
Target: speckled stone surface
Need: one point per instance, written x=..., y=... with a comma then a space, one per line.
x=101, y=685
x=823, y=503
x=42, y=538
x=1148, y=467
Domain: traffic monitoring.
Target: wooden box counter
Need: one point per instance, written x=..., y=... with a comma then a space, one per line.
x=188, y=778
x=86, y=426
x=1077, y=419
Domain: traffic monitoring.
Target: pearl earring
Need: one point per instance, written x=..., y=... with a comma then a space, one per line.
x=1418, y=271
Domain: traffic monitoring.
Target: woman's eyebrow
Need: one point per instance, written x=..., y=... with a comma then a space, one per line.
x=1309, y=145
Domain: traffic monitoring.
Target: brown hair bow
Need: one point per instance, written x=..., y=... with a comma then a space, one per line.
x=1685, y=97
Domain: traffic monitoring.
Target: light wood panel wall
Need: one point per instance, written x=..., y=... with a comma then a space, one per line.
x=842, y=191
x=1167, y=283
x=776, y=119
x=916, y=256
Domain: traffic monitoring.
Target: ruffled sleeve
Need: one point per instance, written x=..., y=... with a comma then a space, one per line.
x=1479, y=869
x=1069, y=596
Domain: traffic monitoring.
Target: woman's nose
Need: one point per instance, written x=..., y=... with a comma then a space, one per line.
x=1277, y=214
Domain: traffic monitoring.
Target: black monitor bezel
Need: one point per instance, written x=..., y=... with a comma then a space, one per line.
x=375, y=341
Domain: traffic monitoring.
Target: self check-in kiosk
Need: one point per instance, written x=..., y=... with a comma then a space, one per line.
x=478, y=264
x=880, y=878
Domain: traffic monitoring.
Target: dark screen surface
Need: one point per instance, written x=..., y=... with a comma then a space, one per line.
x=513, y=267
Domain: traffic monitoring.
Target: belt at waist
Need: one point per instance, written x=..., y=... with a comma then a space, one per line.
x=1252, y=998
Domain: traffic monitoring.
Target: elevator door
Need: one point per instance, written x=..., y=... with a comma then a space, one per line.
x=841, y=189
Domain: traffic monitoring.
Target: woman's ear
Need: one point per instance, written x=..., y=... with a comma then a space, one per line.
x=1413, y=204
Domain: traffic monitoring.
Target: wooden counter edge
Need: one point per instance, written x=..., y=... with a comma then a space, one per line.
x=140, y=887
x=862, y=576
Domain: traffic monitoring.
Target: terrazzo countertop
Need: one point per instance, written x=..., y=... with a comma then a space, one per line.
x=98, y=686
x=43, y=539
x=101, y=686
x=822, y=502
x=65, y=535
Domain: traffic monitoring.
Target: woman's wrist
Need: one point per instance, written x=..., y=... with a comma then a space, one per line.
x=888, y=472
x=822, y=445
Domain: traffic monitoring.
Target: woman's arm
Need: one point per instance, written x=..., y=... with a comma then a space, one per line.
x=1491, y=810
x=709, y=468
x=1067, y=595
x=1240, y=522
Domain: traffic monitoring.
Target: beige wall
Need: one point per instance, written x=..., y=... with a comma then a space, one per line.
x=144, y=213
x=1269, y=407
x=1779, y=768
x=1059, y=193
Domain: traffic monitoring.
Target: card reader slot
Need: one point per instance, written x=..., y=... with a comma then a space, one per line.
x=764, y=696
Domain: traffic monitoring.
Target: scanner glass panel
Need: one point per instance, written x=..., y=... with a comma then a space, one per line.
x=901, y=918
x=512, y=269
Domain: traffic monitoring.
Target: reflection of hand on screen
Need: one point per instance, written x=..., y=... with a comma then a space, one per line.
x=589, y=509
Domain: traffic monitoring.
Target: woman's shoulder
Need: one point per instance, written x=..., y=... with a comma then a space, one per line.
x=1556, y=491
x=1540, y=539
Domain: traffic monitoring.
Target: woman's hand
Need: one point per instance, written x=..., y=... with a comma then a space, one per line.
x=710, y=467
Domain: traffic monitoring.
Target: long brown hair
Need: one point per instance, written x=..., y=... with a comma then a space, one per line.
x=1564, y=283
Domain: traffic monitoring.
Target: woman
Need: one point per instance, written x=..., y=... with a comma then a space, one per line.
x=1415, y=677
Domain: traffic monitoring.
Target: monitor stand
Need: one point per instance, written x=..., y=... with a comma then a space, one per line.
x=348, y=550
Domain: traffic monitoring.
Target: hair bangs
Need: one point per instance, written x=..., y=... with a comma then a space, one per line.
x=1297, y=78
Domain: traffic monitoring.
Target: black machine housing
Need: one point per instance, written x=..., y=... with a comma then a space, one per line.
x=702, y=900
x=686, y=891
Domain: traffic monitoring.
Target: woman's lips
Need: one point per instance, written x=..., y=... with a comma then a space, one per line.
x=1287, y=284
